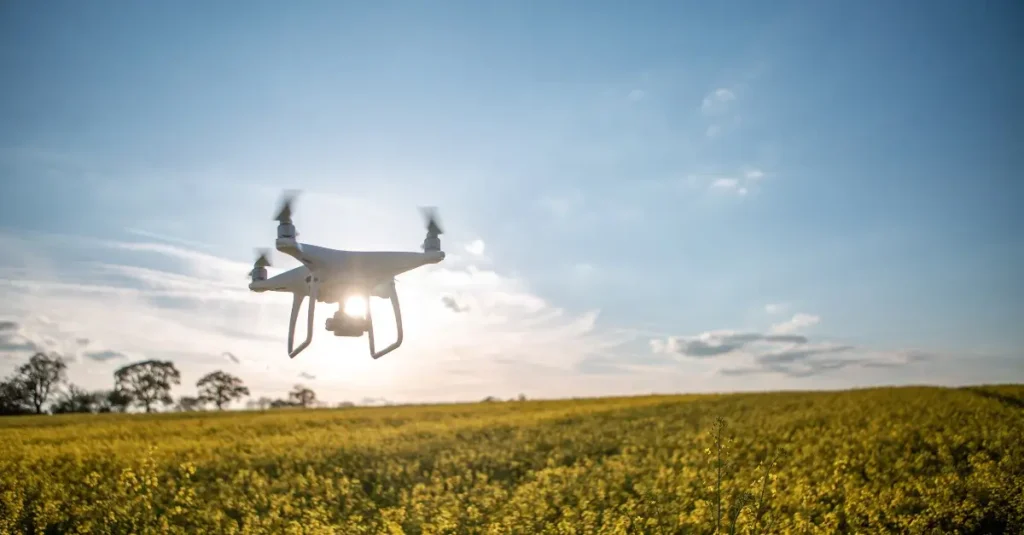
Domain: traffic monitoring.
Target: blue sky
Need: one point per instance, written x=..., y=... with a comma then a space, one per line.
x=623, y=187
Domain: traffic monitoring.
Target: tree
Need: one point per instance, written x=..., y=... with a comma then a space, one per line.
x=282, y=403
x=189, y=404
x=148, y=382
x=14, y=398
x=115, y=400
x=221, y=388
x=41, y=377
x=263, y=403
x=302, y=396
x=77, y=400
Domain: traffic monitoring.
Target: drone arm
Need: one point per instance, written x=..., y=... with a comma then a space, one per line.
x=296, y=304
x=398, y=324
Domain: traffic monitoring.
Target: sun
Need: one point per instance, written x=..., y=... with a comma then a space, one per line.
x=355, y=306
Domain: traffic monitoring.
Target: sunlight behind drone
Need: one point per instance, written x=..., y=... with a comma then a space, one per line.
x=355, y=306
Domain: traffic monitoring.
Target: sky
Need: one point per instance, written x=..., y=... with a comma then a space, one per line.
x=652, y=197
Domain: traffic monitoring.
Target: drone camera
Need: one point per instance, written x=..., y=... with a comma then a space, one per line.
x=342, y=324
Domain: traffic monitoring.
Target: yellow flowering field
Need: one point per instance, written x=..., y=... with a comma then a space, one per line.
x=894, y=460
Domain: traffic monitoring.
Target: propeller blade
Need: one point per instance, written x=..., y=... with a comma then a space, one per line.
x=263, y=259
x=433, y=224
x=284, y=213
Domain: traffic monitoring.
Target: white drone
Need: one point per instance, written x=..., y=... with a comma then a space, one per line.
x=348, y=278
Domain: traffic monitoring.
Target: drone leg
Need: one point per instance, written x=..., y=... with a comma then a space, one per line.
x=296, y=303
x=398, y=324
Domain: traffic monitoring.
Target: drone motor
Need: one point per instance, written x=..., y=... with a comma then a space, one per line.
x=259, y=268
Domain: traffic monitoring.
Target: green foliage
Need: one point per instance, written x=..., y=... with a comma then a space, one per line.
x=906, y=460
x=220, y=388
x=41, y=377
x=147, y=383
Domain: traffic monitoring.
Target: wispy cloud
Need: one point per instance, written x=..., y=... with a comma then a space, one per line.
x=798, y=322
x=729, y=184
x=739, y=183
x=171, y=301
x=717, y=101
x=453, y=304
x=475, y=247
x=104, y=355
x=781, y=351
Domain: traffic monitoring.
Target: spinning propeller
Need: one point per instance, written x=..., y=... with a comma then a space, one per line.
x=430, y=214
x=431, y=242
x=262, y=260
x=284, y=213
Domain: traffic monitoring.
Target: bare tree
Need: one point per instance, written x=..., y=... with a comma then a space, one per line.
x=221, y=388
x=41, y=377
x=148, y=382
x=302, y=396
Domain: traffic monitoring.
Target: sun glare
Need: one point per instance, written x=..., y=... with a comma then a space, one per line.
x=355, y=306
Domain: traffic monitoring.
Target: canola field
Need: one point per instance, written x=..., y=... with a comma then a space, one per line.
x=899, y=460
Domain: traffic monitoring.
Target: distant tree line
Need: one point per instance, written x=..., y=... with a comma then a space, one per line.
x=41, y=386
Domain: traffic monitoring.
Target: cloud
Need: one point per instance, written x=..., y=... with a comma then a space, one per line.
x=717, y=101
x=797, y=322
x=451, y=304
x=729, y=184
x=726, y=183
x=476, y=247
x=739, y=183
x=779, y=351
x=168, y=301
x=104, y=355
x=636, y=95
x=307, y=376
x=169, y=239
x=775, y=308
x=717, y=343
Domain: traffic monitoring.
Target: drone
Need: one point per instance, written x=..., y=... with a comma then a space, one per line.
x=346, y=278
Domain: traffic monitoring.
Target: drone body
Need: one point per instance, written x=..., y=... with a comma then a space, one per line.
x=337, y=276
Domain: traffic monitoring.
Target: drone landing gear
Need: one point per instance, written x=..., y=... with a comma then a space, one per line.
x=314, y=286
x=393, y=297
